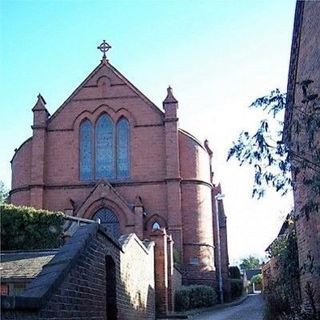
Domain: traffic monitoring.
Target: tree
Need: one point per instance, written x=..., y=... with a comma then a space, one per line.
x=4, y=193
x=250, y=262
x=277, y=162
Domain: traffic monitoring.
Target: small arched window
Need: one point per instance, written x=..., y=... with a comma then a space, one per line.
x=123, y=149
x=104, y=147
x=109, y=220
x=156, y=226
x=86, y=150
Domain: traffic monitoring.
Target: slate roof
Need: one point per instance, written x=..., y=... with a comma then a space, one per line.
x=24, y=265
x=252, y=272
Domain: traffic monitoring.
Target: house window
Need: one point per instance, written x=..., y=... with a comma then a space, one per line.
x=104, y=149
x=109, y=220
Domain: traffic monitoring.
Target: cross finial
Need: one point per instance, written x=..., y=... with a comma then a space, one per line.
x=104, y=47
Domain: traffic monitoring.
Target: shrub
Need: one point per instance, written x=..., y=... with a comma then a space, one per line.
x=24, y=228
x=191, y=297
x=182, y=299
x=277, y=306
x=236, y=286
x=257, y=279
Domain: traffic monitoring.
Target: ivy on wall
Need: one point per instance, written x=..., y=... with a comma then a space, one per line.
x=25, y=228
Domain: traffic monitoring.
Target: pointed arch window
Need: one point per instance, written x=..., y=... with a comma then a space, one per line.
x=156, y=226
x=104, y=149
x=123, y=148
x=86, y=150
x=109, y=220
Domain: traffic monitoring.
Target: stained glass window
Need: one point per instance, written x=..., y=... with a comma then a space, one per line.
x=109, y=220
x=104, y=162
x=123, y=149
x=86, y=152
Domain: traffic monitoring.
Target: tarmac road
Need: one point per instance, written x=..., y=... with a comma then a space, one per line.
x=250, y=309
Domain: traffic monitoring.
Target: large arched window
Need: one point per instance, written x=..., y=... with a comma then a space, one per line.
x=123, y=148
x=109, y=220
x=104, y=149
x=86, y=150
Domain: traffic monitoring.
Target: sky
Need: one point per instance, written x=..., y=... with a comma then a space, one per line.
x=218, y=56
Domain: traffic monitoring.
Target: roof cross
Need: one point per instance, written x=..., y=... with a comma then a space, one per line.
x=104, y=47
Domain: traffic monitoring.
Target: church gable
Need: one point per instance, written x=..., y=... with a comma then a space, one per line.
x=106, y=87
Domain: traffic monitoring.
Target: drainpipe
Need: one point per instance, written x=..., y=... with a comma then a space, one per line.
x=218, y=197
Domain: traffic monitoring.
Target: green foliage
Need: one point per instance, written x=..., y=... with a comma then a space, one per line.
x=236, y=288
x=280, y=307
x=264, y=149
x=24, y=228
x=285, y=250
x=192, y=297
x=277, y=162
x=4, y=193
x=250, y=262
x=257, y=279
x=234, y=272
x=277, y=306
x=283, y=295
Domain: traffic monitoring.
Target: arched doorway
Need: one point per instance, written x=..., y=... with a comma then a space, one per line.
x=111, y=289
x=109, y=220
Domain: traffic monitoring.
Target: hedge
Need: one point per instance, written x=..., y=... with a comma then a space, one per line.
x=25, y=228
x=236, y=288
x=196, y=296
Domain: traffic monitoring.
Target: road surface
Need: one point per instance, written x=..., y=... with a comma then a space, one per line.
x=250, y=309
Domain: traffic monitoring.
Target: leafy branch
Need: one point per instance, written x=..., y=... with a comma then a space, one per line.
x=278, y=163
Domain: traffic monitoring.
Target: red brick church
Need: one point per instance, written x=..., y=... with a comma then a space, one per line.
x=109, y=153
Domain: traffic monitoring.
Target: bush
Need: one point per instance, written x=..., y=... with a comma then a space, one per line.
x=277, y=306
x=234, y=272
x=24, y=228
x=191, y=297
x=236, y=286
x=182, y=299
x=257, y=279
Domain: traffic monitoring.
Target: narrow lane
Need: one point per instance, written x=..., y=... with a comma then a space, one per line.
x=250, y=309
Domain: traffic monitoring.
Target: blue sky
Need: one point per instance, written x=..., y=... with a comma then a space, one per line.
x=217, y=55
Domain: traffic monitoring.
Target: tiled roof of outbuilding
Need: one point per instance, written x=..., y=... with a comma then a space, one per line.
x=24, y=264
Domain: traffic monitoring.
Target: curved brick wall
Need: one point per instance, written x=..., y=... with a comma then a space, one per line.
x=197, y=221
x=21, y=165
x=194, y=159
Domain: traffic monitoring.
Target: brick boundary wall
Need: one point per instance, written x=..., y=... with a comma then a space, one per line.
x=73, y=284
